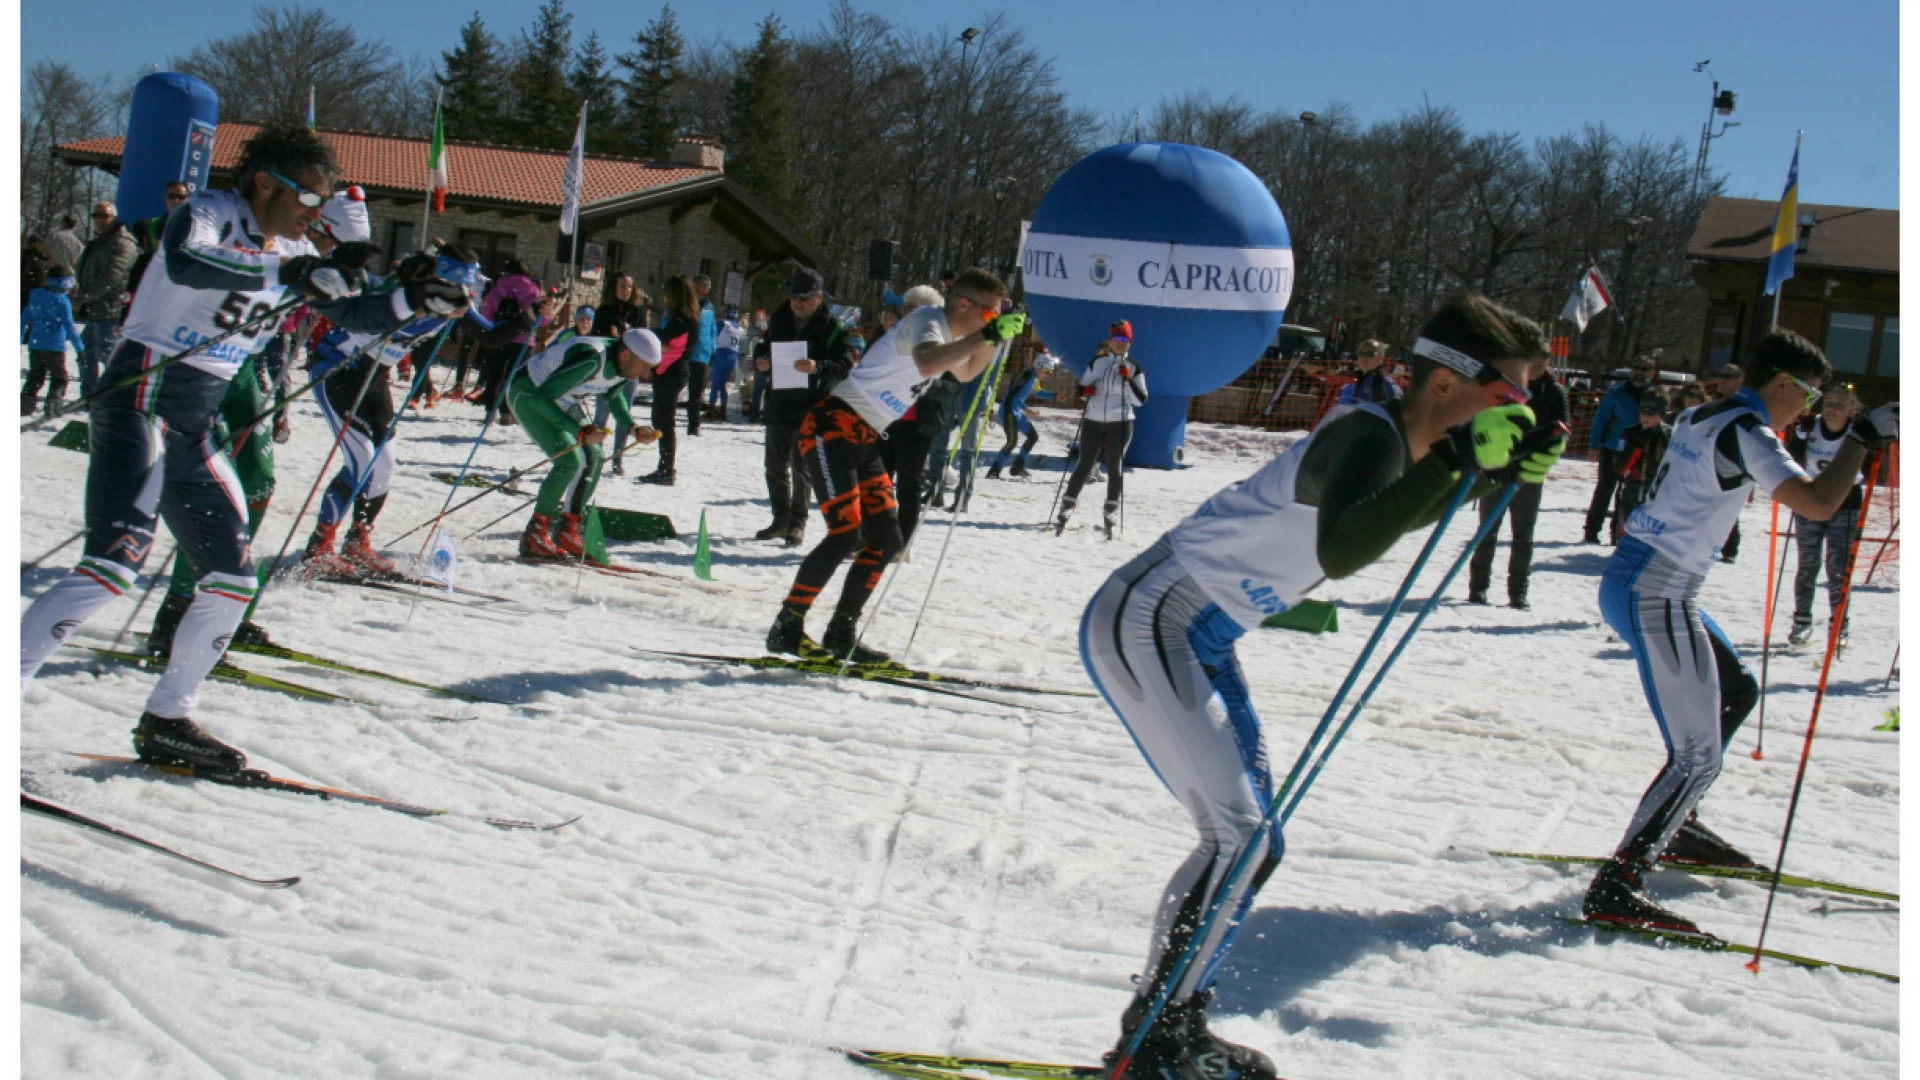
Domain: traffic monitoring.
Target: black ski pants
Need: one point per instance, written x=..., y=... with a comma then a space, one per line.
x=1102, y=440
x=1521, y=514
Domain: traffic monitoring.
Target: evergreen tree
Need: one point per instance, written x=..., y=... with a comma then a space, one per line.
x=592, y=80
x=546, y=108
x=471, y=75
x=651, y=86
x=759, y=145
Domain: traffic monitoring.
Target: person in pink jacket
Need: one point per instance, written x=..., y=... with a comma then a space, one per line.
x=514, y=294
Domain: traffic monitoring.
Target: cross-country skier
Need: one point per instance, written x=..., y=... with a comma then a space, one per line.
x=1813, y=442
x=1158, y=638
x=366, y=471
x=227, y=259
x=1114, y=388
x=1694, y=680
x=840, y=449
x=549, y=396
x=1013, y=415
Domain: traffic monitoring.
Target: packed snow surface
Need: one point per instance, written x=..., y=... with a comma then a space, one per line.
x=768, y=865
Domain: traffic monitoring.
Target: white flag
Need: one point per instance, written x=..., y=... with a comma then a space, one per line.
x=576, y=172
x=443, y=560
x=1589, y=298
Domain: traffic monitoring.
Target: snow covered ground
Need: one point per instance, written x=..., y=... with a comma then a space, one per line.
x=769, y=865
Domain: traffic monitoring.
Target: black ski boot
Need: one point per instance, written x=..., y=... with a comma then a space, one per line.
x=1616, y=896
x=251, y=633
x=181, y=744
x=1019, y=468
x=1697, y=845
x=775, y=531
x=1108, y=513
x=994, y=472
x=840, y=643
x=1180, y=1046
x=789, y=634
x=160, y=641
x=1066, y=511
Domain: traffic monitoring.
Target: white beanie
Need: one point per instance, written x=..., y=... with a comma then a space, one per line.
x=641, y=342
x=344, y=217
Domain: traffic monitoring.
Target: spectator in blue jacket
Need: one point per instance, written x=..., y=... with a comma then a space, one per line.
x=1374, y=384
x=1619, y=410
x=46, y=328
x=700, y=353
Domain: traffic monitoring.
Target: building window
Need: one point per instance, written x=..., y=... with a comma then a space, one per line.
x=616, y=256
x=1720, y=343
x=1849, y=341
x=493, y=248
x=706, y=267
x=1888, y=363
x=402, y=241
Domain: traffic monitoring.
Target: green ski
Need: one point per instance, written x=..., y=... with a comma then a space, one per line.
x=826, y=665
x=1736, y=873
x=1710, y=943
x=926, y=1066
x=298, y=657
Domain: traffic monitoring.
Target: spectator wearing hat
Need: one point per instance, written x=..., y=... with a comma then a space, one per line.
x=1646, y=446
x=46, y=328
x=804, y=317
x=1374, y=386
x=1619, y=410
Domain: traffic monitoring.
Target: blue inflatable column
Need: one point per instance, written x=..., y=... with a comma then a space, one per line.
x=170, y=129
x=1159, y=430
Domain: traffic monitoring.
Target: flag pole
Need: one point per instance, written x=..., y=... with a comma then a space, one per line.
x=1780, y=288
x=426, y=212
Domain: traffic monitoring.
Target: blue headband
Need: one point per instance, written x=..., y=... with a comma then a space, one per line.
x=60, y=284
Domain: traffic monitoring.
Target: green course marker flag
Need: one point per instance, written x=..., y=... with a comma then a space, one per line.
x=71, y=437
x=702, y=554
x=1312, y=616
x=593, y=538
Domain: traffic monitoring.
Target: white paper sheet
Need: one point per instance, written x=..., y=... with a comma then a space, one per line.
x=785, y=355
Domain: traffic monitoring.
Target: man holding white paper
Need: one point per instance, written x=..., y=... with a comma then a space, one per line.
x=807, y=352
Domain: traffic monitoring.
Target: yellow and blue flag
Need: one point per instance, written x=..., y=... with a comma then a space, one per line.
x=1786, y=227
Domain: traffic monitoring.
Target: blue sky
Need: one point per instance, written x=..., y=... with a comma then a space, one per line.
x=1831, y=70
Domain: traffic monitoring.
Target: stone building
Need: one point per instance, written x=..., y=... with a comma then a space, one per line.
x=1844, y=295
x=649, y=219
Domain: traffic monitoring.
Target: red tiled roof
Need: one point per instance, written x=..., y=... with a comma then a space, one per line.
x=501, y=173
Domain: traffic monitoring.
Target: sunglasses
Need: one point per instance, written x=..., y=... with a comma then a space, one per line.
x=1813, y=393
x=172, y=197
x=98, y=214
x=310, y=199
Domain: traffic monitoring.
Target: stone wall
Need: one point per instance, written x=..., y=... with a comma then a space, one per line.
x=654, y=246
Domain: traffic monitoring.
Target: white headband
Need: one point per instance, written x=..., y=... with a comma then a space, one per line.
x=1449, y=356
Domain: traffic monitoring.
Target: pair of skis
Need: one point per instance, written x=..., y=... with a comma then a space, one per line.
x=889, y=673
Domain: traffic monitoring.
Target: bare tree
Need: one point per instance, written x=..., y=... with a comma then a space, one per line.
x=59, y=106
x=266, y=72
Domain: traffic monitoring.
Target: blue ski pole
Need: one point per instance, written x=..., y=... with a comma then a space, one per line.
x=1499, y=508
x=1164, y=992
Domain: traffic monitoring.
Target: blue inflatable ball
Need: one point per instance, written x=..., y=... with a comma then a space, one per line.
x=1184, y=243
x=170, y=128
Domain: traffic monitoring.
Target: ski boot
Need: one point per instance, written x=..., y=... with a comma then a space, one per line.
x=168, y=743
x=1477, y=597
x=1617, y=896
x=535, y=544
x=160, y=641
x=796, y=536
x=994, y=472
x=370, y=563
x=1066, y=511
x=775, y=531
x=567, y=537
x=1181, y=1048
x=662, y=476
x=1108, y=521
x=251, y=633
x=841, y=644
x=1799, y=636
x=788, y=637
x=320, y=558
x=282, y=427
x=1019, y=469
x=1696, y=845
x=619, y=469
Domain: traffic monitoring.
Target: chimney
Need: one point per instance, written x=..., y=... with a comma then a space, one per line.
x=703, y=151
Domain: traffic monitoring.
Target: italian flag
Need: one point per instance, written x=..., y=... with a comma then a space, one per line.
x=437, y=181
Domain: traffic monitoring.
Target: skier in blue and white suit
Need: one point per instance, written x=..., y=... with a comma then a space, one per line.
x=367, y=410
x=226, y=260
x=1158, y=638
x=1694, y=680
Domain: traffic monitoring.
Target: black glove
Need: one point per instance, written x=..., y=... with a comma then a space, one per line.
x=315, y=278
x=418, y=266
x=353, y=256
x=435, y=297
x=1877, y=429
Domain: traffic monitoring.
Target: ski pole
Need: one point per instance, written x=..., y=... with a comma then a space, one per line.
x=393, y=428
x=1487, y=525
x=166, y=567
x=953, y=521
x=56, y=549
x=1813, y=722
x=512, y=477
x=493, y=410
x=1164, y=992
x=1775, y=584
x=521, y=505
x=1079, y=436
x=244, y=328
x=1891, y=668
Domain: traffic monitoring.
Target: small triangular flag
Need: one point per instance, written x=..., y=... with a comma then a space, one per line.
x=443, y=560
x=702, y=554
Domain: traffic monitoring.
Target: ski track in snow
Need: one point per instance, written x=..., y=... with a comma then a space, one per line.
x=772, y=863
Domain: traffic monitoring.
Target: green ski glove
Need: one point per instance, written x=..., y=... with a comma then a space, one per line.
x=1002, y=327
